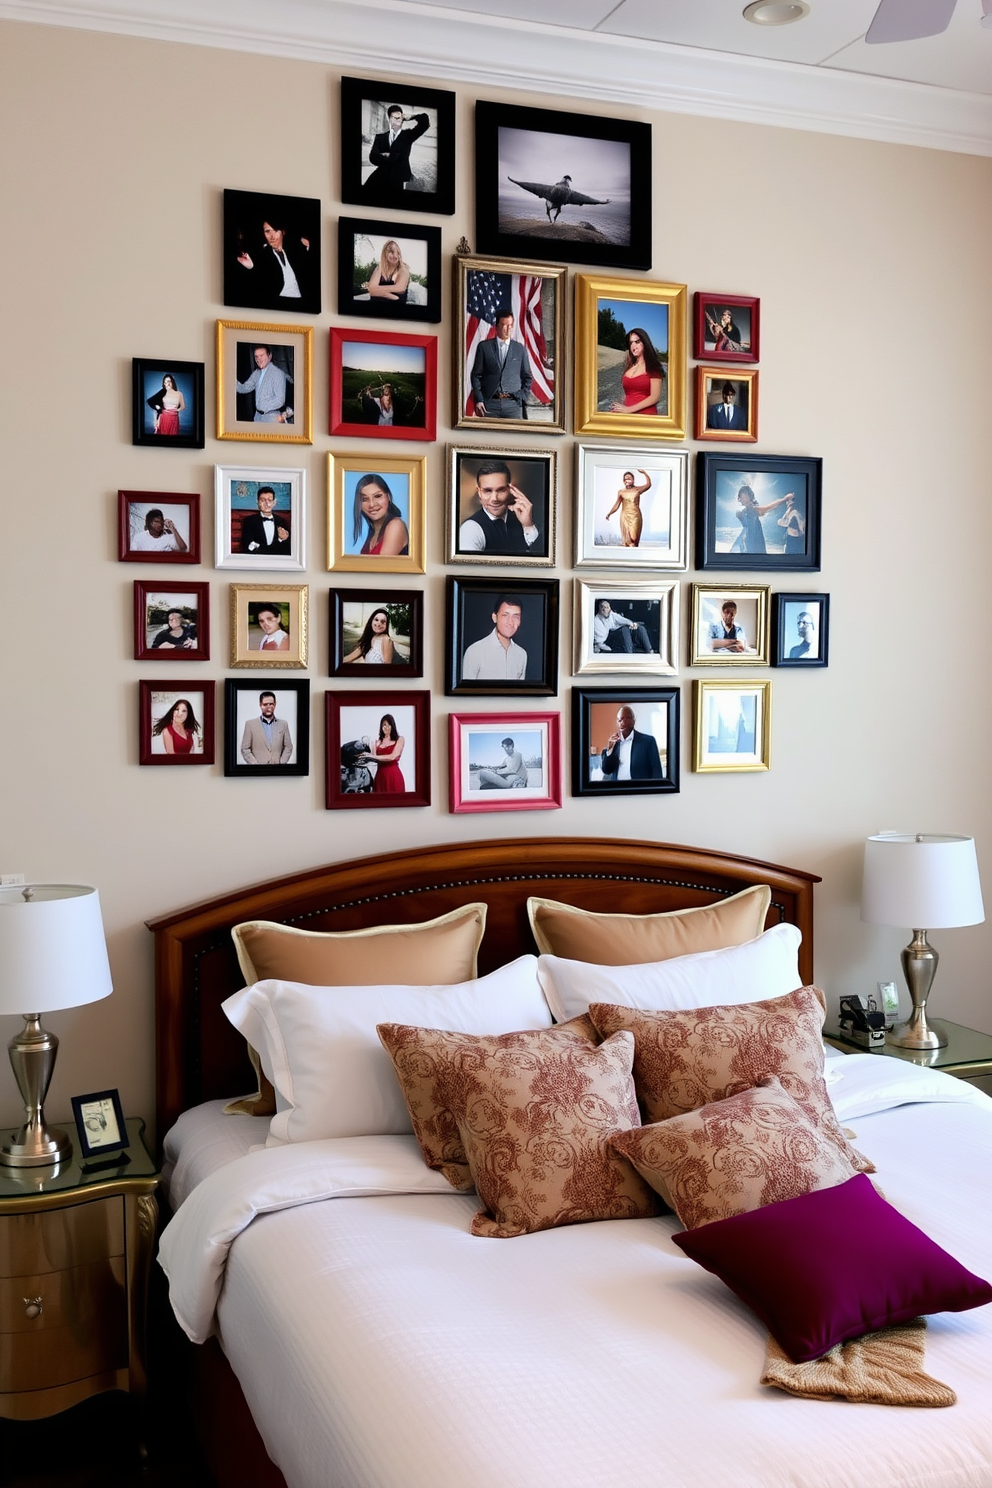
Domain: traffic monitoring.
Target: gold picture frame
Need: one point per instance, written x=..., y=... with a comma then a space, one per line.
x=745, y=643
x=617, y=308
x=252, y=640
x=732, y=726
x=277, y=406
x=350, y=527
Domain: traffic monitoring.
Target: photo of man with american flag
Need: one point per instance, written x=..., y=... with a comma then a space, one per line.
x=509, y=344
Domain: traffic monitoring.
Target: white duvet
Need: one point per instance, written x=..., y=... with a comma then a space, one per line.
x=381, y=1345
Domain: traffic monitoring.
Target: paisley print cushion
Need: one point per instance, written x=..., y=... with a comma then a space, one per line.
x=687, y=1059
x=734, y=1155
x=436, y=1070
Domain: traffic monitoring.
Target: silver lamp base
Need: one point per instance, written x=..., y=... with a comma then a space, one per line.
x=32, y=1056
x=919, y=963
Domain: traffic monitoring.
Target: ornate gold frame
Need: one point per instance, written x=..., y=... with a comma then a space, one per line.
x=589, y=419
x=228, y=426
x=297, y=597
x=373, y=462
x=699, y=655
x=761, y=758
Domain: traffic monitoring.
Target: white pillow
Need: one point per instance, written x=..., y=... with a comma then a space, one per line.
x=758, y=969
x=319, y=1047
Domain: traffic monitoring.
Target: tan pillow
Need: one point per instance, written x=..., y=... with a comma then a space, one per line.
x=433, y=1067
x=625, y=940
x=535, y=1125
x=734, y=1155
x=688, y=1058
x=443, y=950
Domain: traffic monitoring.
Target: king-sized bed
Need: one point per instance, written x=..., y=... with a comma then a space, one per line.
x=380, y=1343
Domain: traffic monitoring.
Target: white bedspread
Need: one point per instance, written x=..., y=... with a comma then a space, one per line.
x=381, y=1345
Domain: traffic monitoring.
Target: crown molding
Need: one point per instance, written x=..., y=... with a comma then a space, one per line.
x=491, y=53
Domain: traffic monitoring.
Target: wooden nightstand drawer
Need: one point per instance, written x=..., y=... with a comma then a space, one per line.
x=81, y=1329
x=57, y=1239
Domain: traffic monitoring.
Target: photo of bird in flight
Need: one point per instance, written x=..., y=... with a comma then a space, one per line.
x=559, y=195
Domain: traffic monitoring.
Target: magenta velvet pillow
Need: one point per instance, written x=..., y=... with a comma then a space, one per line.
x=831, y=1265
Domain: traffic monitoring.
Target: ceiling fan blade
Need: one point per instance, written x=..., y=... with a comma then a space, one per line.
x=908, y=20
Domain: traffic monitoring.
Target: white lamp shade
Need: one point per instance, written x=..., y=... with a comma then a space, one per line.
x=53, y=953
x=921, y=882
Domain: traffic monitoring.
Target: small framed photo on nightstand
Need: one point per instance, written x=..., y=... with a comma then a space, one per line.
x=100, y=1126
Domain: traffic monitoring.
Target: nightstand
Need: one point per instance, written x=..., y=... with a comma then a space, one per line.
x=967, y=1056
x=75, y=1251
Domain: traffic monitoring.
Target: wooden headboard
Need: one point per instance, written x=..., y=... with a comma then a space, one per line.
x=201, y=1057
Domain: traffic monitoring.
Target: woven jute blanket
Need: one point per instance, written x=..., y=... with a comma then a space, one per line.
x=884, y=1368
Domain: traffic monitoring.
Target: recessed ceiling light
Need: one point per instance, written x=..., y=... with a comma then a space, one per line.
x=775, y=12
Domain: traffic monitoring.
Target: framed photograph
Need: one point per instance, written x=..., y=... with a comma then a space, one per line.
x=269, y=625
x=633, y=507
x=504, y=762
x=625, y=742
x=501, y=637
x=397, y=146
x=510, y=344
x=801, y=630
x=732, y=726
x=158, y=527
x=261, y=518
x=383, y=384
x=557, y=185
x=266, y=727
x=100, y=1124
x=726, y=327
x=171, y=622
x=391, y=270
x=629, y=358
x=627, y=626
x=264, y=382
x=166, y=403
x=727, y=406
x=381, y=629
x=272, y=252
x=378, y=749
x=502, y=505
x=376, y=516
x=729, y=625
x=761, y=512
x=175, y=723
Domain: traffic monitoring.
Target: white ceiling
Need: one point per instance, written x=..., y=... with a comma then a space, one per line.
x=685, y=56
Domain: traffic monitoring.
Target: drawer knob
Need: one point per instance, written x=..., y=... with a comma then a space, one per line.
x=33, y=1307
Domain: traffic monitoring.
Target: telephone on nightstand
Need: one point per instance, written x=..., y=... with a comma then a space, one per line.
x=861, y=1022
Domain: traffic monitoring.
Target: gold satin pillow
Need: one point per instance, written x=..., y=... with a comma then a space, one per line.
x=627, y=940
x=444, y=950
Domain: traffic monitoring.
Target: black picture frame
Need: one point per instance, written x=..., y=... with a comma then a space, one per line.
x=469, y=611
x=591, y=710
x=422, y=243
x=431, y=160
x=148, y=389
x=101, y=1128
x=238, y=691
x=349, y=607
x=258, y=283
x=788, y=638
x=720, y=482
x=547, y=144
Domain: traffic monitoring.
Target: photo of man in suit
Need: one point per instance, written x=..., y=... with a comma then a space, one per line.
x=390, y=152
x=266, y=739
x=504, y=523
x=728, y=413
x=501, y=376
x=630, y=755
x=272, y=252
x=270, y=384
x=266, y=531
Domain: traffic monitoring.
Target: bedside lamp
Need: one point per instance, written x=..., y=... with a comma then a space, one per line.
x=52, y=955
x=920, y=880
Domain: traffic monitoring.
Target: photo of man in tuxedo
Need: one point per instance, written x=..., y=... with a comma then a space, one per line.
x=501, y=376
x=266, y=531
x=390, y=153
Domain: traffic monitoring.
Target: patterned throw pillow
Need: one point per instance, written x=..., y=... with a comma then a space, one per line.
x=754, y=1148
x=687, y=1059
x=435, y=1068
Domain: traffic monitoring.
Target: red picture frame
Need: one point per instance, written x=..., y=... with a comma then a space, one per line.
x=358, y=378
x=151, y=599
x=745, y=317
x=486, y=775
x=156, y=701
x=133, y=509
x=354, y=719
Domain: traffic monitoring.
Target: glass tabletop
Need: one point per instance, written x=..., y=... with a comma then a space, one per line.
x=964, y=1046
x=65, y=1176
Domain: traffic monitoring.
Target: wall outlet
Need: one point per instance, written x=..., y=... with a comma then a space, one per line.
x=8, y=880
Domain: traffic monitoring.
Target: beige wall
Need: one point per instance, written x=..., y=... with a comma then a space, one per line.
x=870, y=261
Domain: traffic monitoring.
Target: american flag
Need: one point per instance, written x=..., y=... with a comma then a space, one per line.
x=490, y=294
